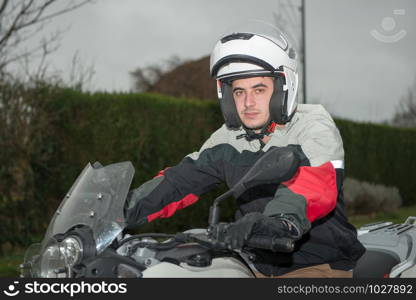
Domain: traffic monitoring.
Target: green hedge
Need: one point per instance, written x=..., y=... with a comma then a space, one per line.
x=154, y=132
x=150, y=130
x=381, y=154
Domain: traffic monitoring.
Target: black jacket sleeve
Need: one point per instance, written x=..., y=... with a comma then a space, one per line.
x=175, y=188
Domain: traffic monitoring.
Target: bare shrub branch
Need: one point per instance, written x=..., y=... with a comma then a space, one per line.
x=405, y=115
x=22, y=20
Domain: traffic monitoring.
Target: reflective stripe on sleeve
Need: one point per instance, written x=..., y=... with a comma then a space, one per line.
x=338, y=164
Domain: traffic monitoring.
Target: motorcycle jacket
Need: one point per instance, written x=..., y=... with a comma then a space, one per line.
x=313, y=193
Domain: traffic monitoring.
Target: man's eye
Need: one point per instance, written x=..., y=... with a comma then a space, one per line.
x=259, y=91
x=238, y=93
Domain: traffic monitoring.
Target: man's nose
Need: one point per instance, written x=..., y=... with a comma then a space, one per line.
x=249, y=101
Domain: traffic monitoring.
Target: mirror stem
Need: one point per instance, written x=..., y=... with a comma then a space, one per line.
x=214, y=212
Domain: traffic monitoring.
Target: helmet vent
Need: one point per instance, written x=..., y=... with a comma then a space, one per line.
x=237, y=36
x=292, y=53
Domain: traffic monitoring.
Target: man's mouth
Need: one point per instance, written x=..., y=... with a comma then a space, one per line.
x=251, y=114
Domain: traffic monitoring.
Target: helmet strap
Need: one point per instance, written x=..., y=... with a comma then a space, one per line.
x=251, y=135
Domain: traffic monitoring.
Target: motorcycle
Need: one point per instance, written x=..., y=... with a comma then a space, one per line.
x=85, y=237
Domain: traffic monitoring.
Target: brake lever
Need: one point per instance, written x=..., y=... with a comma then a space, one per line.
x=204, y=239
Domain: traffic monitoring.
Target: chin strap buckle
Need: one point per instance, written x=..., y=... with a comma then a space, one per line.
x=251, y=136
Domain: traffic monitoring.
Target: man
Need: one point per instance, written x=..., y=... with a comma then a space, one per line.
x=257, y=85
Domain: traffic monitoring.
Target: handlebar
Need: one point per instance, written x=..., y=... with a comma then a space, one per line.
x=275, y=244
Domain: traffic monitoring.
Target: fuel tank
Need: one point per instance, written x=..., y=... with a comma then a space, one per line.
x=220, y=267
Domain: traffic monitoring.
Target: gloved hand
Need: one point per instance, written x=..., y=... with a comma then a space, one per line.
x=235, y=235
x=132, y=206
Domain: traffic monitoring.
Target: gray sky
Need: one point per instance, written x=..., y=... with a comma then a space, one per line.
x=354, y=74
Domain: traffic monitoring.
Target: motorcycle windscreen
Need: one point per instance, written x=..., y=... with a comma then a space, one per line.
x=96, y=200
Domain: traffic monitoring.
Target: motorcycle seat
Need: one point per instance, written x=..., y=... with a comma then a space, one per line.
x=375, y=264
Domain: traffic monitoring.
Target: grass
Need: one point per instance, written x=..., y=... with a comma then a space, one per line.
x=9, y=263
x=398, y=216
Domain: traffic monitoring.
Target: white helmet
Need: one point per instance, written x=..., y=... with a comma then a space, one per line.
x=248, y=54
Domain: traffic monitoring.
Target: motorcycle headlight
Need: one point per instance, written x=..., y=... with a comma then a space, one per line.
x=58, y=258
x=52, y=262
x=71, y=249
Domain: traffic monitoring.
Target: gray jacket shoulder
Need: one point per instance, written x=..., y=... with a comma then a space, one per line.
x=318, y=134
x=218, y=137
x=229, y=137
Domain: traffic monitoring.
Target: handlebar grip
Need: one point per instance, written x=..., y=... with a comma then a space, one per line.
x=274, y=244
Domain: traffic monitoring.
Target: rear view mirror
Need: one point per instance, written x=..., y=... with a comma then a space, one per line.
x=276, y=165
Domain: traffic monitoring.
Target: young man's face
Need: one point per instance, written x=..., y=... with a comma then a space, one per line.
x=252, y=98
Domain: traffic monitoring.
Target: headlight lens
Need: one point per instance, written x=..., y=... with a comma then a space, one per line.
x=59, y=258
x=71, y=249
x=52, y=263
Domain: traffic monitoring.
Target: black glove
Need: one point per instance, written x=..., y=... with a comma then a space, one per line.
x=283, y=225
x=235, y=235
